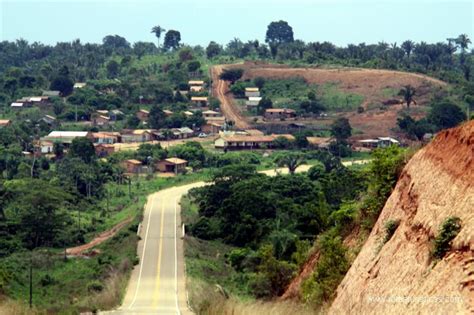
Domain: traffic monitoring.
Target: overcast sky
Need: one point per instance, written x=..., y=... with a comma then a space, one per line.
x=201, y=21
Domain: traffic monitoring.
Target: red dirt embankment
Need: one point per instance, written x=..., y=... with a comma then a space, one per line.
x=220, y=90
x=401, y=278
x=99, y=239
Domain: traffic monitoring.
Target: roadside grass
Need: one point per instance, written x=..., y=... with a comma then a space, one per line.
x=206, y=261
x=95, y=282
x=76, y=284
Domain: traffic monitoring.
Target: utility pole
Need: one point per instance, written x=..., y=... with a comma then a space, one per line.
x=31, y=280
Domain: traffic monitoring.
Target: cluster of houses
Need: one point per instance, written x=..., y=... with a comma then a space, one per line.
x=104, y=141
x=30, y=101
x=253, y=97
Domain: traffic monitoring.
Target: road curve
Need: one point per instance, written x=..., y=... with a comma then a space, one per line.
x=157, y=283
x=228, y=108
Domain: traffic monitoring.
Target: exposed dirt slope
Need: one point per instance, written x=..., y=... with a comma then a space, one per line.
x=401, y=278
x=375, y=85
x=220, y=90
x=99, y=239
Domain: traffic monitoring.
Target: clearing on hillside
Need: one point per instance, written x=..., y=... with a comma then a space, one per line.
x=375, y=86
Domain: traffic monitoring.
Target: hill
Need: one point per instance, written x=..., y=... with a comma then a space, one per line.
x=372, y=86
x=401, y=275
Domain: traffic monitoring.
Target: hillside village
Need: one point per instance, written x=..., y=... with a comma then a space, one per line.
x=257, y=177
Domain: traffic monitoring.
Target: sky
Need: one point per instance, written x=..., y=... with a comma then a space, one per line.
x=200, y=21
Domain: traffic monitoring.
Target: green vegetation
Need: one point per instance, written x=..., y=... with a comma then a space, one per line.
x=447, y=232
x=336, y=100
x=390, y=227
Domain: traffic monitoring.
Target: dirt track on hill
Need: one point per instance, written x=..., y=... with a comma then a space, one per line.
x=220, y=90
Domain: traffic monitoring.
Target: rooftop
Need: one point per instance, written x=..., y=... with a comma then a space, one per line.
x=176, y=161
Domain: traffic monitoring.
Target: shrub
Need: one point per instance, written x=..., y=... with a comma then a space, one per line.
x=390, y=227
x=95, y=286
x=331, y=268
x=448, y=231
x=47, y=280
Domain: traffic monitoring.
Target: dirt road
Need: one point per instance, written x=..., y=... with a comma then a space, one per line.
x=229, y=109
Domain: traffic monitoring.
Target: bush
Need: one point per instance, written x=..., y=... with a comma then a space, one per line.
x=448, y=231
x=390, y=227
x=95, y=286
x=331, y=268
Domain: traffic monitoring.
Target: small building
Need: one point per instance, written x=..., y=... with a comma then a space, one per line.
x=48, y=119
x=200, y=100
x=253, y=132
x=103, y=150
x=182, y=133
x=138, y=135
x=171, y=165
x=252, y=92
x=279, y=113
x=106, y=137
x=143, y=115
x=210, y=113
x=379, y=142
x=132, y=166
x=46, y=147
x=5, y=122
x=253, y=102
x=319, y=142
x=188, y=113
x=167, y=112
x=66, y=137
x=19, y=105
x=196, y=85
x=101, y=121
x=51, y=93
x=79, y=85
x=248, y=142
x=116, y=114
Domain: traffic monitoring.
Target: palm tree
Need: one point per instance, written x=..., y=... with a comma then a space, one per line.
x=408, y=46
x=407, y=92
x=463, y=41
x=291, y=160
x=158, y=30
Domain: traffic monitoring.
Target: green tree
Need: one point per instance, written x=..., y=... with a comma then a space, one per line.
x=62, y=84
x=341, y=129
x=446, y=115
x=113, y=69
x=264, y=104
x=213, y=49
x=408, y=47
x=407, y=92
x=157, y=119
x=158, y=30
x=82, y=148
x=172, y=39
x=291, y=160
x=279, y=32
x=231, y=75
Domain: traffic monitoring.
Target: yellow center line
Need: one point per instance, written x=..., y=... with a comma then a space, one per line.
x=157, y=285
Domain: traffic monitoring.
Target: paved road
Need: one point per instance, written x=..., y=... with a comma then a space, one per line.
x=157, y=284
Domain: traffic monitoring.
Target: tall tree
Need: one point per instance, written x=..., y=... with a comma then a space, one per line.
x=158, y=30
x=291, y=160
x=408, y=46
x=341, y=129
x=172, y=39
x=407, y=92
x=279, y=32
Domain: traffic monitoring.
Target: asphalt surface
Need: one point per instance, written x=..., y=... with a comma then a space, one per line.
x=157, y=284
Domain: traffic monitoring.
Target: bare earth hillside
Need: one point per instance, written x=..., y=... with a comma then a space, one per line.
x=401, y=278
